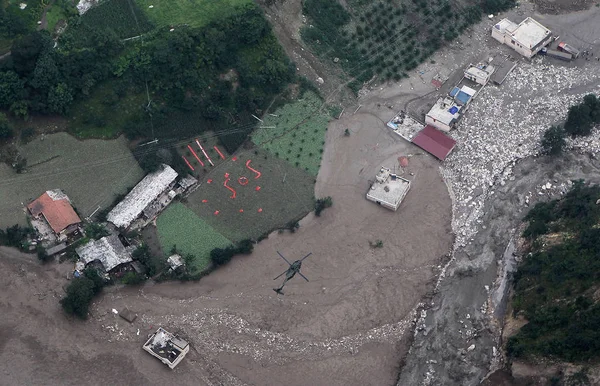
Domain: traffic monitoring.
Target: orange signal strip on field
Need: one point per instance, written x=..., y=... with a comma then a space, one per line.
x=219, y=151
x=195, y=155
x=203, y=152
x=188, y=163
x=258, y=174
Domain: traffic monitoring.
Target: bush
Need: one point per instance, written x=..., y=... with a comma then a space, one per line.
x=81, y=292
x=42, y=255
x=553, y=142
x=96, y=231
x=15, y=236
x=222, y=256
x=321, y=204
x=6, y=130
x=133, y=278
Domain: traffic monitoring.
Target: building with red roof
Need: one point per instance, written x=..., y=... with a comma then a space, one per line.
x=435, y=142
x=55, y=207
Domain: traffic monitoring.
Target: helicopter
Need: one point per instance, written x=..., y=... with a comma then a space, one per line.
x=290, y=272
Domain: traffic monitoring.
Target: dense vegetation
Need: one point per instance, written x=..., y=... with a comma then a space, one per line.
x=81, y=292
x=183, y=80
x=556, y=282
x=386, y=39
x=15, y=236
x=583, y=116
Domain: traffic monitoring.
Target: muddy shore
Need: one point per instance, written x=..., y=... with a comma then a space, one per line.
x=458, y=340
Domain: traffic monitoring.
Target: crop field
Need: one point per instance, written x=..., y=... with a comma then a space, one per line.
x=194, y=13
x=90, y=172
x=53, y=15
x=122, y=16
x=281, y=194
x=179, y=226
x=301, y=146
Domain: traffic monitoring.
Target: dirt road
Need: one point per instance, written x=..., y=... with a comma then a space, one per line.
x=345, y=327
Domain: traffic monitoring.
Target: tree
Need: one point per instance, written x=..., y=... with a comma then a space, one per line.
x=593, y=103
x=26, y=50
x=321, y=204
x=11, y=88
x=221, y=256
x=579, y=122
x=96, y=231
x=79, y=296
x=553, y=142
x=6, y=130
x=59, y=99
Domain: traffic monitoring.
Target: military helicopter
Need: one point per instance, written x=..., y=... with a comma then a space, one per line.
x=290, y=272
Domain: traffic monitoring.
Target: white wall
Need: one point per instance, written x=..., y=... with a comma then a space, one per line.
x=437, y=124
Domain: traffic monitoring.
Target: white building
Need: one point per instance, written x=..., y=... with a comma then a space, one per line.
x=479, y=73
x=527, y=37
x=141, y=196
x=444, y=114
x=168, y=348
x=388, y=190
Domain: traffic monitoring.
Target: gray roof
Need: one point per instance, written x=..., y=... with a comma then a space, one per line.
x=108, y=250
x=146, y=191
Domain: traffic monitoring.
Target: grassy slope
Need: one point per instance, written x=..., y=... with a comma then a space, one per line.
x=301, y=146
x=179, y=226
x=89, y=172
x=191, y=12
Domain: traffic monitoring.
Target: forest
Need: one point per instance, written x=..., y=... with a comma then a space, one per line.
x=556, y=285
x=189, y=79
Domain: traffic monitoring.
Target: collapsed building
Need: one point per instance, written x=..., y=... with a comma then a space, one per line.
x=168, y=348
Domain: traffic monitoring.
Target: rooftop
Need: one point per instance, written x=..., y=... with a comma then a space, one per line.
x=146, y=191
x=56, y=208
x=388, y=188
x=404, y=125
x=506, y=25
x=530, y=33
x=441, y=111
x=108, y=250
x=434, y=142
x=166, y=347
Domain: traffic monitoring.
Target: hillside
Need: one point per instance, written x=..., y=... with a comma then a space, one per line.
x=556, y=285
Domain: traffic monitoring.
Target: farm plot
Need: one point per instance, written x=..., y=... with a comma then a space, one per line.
x=194, y=13
x=179, y=226
x=122, y=16
x=280, y=195
x=296, y=138
x=90, y=172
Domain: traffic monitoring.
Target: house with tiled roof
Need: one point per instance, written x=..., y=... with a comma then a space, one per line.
x=54, y=208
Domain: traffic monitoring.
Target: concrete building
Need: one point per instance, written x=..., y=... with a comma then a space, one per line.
x=145, y=193
x=444, y=114
x=53, y=216
x=405, y=126
x=527, y=37
x=168, y=348
x=109, y=251
x=480, y=73
x=388, y=190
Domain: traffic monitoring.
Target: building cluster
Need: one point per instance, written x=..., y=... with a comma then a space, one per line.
x=58, y=225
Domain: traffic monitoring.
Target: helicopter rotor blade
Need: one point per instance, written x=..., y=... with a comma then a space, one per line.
x=284, y=272
x=304, y=277
x=305, y=256
x=286, y=260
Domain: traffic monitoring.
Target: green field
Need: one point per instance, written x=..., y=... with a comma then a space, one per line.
x=179, y=226
x=53, y=15
x=122, y=16
x=90, y=172
x=299, y=133
x=285, y=195
x=194, y=13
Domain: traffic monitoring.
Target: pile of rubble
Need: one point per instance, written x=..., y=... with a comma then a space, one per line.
x=504, y=125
